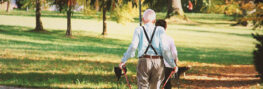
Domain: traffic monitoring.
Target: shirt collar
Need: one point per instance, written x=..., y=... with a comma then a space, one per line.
x=151, y=25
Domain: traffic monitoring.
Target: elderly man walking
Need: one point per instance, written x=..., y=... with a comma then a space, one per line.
x=149, y=39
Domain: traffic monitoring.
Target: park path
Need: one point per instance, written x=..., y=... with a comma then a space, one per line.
x=10, y=87
x=221, y=77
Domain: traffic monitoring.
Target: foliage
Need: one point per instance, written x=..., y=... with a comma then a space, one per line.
x=125, y=13
x=256, y=17
x=156, y=5
x=61, y=5
x=213, y=6
x=232, y=9
x=119, y=10
x=31, y=4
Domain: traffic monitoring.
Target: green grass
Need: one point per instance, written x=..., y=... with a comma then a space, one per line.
x=51, y=60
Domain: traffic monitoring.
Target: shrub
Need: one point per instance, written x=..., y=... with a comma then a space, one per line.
x=232, y=9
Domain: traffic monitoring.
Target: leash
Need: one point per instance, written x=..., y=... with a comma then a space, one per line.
x=126, y=79
x=168, y=78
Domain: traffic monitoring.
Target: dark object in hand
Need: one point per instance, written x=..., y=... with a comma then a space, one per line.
x=118, y=71
x=180, y=70
x=183, y=70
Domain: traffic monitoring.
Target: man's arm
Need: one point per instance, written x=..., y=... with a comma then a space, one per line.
x=174, y=52
x=132, y=48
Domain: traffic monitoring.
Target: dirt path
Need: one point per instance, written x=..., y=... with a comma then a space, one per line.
x=208, y=76
x=9, y=87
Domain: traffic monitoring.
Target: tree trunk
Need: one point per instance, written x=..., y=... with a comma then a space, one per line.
x=60, y=8
x=39, y=26
x=8, y=5
x=104, y=18
x=174, y=8
x=226, y=1
x=68, y=33
x=97, y=6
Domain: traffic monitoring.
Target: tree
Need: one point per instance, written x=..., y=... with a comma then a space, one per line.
x=258, y=23
x=174, y=8
x=257, y=19
x=104, y=8
x=8, y=6
x=71, y=3
x=258, y=55
x=37, y=4
x=39, y=25
x=68, y=5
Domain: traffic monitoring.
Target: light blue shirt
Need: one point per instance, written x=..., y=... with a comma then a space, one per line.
x=140, y=41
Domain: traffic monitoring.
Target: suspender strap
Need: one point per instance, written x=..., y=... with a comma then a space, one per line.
x=150, y=41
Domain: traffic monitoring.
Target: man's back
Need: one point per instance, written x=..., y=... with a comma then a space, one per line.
x=143, y=43
x=140, y=41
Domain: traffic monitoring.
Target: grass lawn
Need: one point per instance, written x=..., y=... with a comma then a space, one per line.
x=52, y=60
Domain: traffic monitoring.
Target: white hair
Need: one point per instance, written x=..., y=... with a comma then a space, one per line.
x=149, y=15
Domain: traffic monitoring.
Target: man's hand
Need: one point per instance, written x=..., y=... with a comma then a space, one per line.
x=176, y=69
x=176, y=61
x=121, y=65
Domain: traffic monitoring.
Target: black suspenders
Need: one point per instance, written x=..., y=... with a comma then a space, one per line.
x=150, y=41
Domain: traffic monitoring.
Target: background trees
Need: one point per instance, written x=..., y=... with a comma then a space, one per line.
x=171, y=7
x=121, y=10
x=61, y=5
x=7, y=4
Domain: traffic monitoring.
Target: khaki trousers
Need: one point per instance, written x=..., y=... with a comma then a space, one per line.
x=150, y=73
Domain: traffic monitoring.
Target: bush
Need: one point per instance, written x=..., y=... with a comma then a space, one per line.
x=213, y=6
x=232, y=9
x=258, y=55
